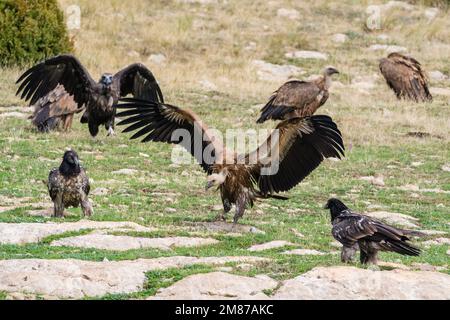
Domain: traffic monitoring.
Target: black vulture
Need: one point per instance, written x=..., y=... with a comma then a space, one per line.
x=99, y=98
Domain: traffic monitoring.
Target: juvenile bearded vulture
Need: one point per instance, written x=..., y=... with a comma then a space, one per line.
x=99, y=98
x=68, y=186
x=353, y=230
x=303, y=143
x=55, y=109
x=298, y=98
x=406, y=77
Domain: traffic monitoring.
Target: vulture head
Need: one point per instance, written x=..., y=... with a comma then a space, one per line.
x=330, y=71
x=336, y=206
x=106, y=80
x=216, y=179
x=70, y=165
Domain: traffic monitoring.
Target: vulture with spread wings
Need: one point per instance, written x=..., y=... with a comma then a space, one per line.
x=289, y=154
x=353, y=230
x=298, y=98
x=99, y=98
x=55, y=109
x=406, y=77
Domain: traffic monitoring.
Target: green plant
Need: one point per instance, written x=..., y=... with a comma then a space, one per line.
x=31, y=31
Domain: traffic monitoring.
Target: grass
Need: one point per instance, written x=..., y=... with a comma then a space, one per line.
x=208, y=42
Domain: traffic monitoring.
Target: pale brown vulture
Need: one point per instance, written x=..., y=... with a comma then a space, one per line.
x=302, y=144
x=353, y=230
x=100, y=98
x=406, y=77
x=55, y=109
x=298, y=98
x=68, y=185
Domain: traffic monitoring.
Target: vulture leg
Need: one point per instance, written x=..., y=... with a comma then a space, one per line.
x=68, y=122
x=369, y=257
x=240, y=208
x=226, y=208
x=348, y=253
x=110, y=127
x=58, y=211
x=86, y=207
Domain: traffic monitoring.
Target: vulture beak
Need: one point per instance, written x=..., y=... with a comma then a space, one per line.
x=76, y=161
x=209, y=185
x=326, y=206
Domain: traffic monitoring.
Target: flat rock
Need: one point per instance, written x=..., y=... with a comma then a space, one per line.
x=305, y=252
x=126, y=171
x=415, y=188
x=432, y=232
x=377, y=181
x=431, y=13
x=393, y=265
x=448, y=252
x=13, y=114
x=270, y=245
x=446, y=167
x=274, y=72
x=99, y=192
x=387, y=48
x=437, y=242
x=217, y=286
x=302, y=54
x=399, y=219
x=339, y=38
x=20, y=233
x=350, y=283
x=207, y=85
x=123, y=243
x=157, y=58
x=288, y=13
x=222, y=226
x=440, y=91
x=437, y=75
x=71, y=278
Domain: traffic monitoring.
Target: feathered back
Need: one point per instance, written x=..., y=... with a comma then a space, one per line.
x=406, y=77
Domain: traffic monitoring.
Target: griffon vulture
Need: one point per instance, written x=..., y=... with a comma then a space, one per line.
x=302, y=144
x=298, y=98
x=99, y=98
x=353, y=230
x=55, y=109
x=406, y=77
x=68, y=185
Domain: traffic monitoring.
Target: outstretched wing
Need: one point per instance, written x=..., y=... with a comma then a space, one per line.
x=138, y=80
x=293, y=95
x=406, y=77
x=56, y=103
x=167, y=123
x=300, y=145
x=44, y=77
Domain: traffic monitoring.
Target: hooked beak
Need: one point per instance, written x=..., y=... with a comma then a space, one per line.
x=76, y=161
x=326, y=206
x=209, y=185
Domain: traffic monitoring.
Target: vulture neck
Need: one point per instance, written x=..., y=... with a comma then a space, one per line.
x=68, y=170
x=326, y=81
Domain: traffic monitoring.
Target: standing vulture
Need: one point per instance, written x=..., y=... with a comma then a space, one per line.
x=302, y=144
x=298, y=98
x=54, y=109
x=99, y=98
x=68, y=186
x=406, y=77
x=353, y=230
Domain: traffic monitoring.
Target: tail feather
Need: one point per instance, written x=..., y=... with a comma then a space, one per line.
x=404, y=248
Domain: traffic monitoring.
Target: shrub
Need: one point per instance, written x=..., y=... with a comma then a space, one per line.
x=31, y=30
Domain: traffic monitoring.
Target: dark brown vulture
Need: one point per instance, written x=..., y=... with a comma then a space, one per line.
x=99, y=98
x=55, y=109
x=353, y=230
x=68, y=185
x=302, y=144
x=406, y=77
x=298, y=98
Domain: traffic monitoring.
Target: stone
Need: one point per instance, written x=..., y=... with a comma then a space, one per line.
x=432, y=232
x=99, y=192
x=394, y=218
x=398, y=4
x=393, y=265
x=339, y=38
x=377, y=181
x=270, y=245
x=123, y=243
x=446, y=167
x=448, y=252
x=383, y=37
x=427, y=267
x=207, y=85
x=222, y=226
x=14, y=114
x=217, y=286
x=431, y=13
x=304, y=252
x=415, y=188
x=440, y=91
x=20, y=233
x=272, y=72
x=437, y=75
x=157, y=58
x=126, y=171
x=302, y=54
x=71, y=278
x=437, y=242
x=387, y=48
x=288, y=13
x=198, y=1
x=350, y=283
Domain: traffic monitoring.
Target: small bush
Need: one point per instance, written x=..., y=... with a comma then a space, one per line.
x=31, y=30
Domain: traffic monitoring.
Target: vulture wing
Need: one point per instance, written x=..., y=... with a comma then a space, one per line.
x=290, y=96
x=55, y=104
x=300, y=145
x=354, y=227
x=40, y=80
x=139, y=81
x=406, y=77
x=167, y=123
